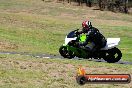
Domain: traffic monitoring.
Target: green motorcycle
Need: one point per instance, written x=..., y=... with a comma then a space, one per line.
x=70, y=49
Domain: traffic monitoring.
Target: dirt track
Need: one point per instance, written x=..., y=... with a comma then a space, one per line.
x=57, y=56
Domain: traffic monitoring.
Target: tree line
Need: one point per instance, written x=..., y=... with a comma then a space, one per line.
x=111, y=5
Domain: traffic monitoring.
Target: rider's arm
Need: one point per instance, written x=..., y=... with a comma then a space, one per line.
x=95, y=29
x=80, y=32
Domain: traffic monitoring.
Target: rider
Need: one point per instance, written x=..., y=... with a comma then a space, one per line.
x=93, y=35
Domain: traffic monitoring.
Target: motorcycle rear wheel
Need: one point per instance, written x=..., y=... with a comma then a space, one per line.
x=113, y=55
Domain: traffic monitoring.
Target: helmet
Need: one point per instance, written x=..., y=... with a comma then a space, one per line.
x=86, y=25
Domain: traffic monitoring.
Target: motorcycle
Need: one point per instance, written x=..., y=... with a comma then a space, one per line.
x=70, y=49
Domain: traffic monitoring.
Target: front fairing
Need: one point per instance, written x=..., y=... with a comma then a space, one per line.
x=71, y=36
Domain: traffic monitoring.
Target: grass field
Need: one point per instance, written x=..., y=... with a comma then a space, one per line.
x=17, y=71
x=40, y=27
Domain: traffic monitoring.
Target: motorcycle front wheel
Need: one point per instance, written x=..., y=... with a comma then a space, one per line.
x=63, y=50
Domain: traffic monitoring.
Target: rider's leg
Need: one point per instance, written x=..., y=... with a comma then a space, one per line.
x=88, y=49
x=99, y=45
x=96, y=48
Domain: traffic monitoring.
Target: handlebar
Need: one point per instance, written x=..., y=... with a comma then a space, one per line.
x=77, y=30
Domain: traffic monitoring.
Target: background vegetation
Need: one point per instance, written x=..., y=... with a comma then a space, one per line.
x=123, y=6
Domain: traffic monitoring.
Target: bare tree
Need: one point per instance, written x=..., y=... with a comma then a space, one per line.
x=79, y=2
x=88, y=3
x=69, y=1
x=102, y=4
x=99, y=3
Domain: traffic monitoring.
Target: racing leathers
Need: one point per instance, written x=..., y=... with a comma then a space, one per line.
x=93, y=35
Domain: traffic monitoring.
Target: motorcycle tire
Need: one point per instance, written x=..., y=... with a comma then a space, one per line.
x=65, y=52
x=113, y=55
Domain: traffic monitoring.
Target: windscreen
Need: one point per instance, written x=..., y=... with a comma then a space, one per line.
x=71, y=34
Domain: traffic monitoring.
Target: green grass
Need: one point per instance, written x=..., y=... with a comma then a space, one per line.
x=29, y=72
